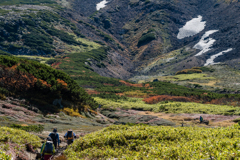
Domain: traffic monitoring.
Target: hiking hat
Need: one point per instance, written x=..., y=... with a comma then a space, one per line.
x=55, y=130
x=49, y=138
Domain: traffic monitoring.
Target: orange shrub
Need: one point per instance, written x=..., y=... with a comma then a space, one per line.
x=130, y=84
x=156, y=99
x=62, y=82
x=189, y=71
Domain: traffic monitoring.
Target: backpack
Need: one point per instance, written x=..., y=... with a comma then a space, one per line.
x=48, y=147
x=70, y=135
x=54, y=137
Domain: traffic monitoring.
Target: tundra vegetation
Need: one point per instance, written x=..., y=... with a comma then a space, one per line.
x=151, y=142
x=17, y=141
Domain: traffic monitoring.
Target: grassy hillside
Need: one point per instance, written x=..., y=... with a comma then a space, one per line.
x=34, y=2
x=79, y=67
x=41, y=84
x=16, y=140
x=151, y=142
x=170, y=107
x=39, y=30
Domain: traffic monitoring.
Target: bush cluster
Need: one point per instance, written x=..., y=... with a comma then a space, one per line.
x=30, y=128
x=34, y=2
x=189, y=71
x=48, y=82
x=39, y=38
x=110, y=96
x=146, y=38
x=151, y=142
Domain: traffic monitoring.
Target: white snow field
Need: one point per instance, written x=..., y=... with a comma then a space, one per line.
x=191, y=28
x=205, y=43
x=210, y=61
x=101, y=4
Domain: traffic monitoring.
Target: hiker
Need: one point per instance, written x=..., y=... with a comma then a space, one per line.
x=201, y=119
x=55, y=138
x=70, y=135
x=47, y=149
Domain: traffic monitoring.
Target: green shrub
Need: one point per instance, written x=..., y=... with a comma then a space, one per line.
x=39, y=42
x=34, y=2
x=4, y=53
x=71, y=92
x=157, y=142
x=146, y=38
x=64, y=36
x=189, y=71
x=30, y=128
x=110, y=96
x=51, y=61
x=206, y=69
x=4, y=156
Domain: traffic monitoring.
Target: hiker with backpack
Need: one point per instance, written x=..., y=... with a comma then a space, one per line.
x=70, y=135
x=55, y=138
x=47, y=149
x=201, y=119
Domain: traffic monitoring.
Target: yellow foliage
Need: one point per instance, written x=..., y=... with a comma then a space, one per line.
x=157, y=142
x=135, y=94
x=189, y=71
x=72, y=112
x=2, y=96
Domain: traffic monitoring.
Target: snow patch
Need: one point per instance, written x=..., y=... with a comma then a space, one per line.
x=169, y=59
x=102, y=4
x=210, y=61
x=191, y=28
x=205, y=43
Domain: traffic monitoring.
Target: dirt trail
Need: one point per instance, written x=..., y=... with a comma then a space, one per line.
x=193, y=119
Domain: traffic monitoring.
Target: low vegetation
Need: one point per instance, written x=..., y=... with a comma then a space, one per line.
x=169, y=107
x=41, y=83
x=195, y=70
x=146, y=38
x=17, y=141
x=37, y=31
x=34, y=2
x=4, y=156
x=29, y=128
x=189, y=71
x=151, y=142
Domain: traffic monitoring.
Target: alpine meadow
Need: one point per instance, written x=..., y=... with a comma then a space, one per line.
x=119, y=79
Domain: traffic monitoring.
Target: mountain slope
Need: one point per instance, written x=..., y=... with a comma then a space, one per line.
x=154, y=37
x=148, y=30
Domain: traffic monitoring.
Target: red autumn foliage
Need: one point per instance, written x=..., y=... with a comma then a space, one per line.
x=90, y=92
x=14, y=80
x=156, y=99
x=130, y=84
x=56, y=64
x=62, y=82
